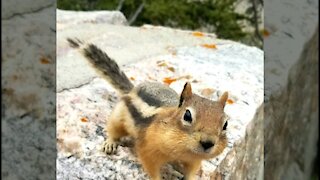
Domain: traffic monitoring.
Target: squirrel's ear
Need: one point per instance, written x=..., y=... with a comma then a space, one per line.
x=186, y=93
x=223, y=99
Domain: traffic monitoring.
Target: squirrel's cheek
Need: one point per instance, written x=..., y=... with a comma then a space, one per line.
x=223, y=137
x=221, y=145
x=196, y=136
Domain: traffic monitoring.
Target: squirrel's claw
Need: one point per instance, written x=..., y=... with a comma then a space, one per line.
x=110, y=147
x=173, y=174
x=176, y=174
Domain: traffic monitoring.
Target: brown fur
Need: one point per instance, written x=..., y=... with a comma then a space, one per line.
x=166, y=139
x=153, y=114
x=103, y=65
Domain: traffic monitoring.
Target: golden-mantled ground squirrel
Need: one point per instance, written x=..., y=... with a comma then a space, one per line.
x=166, y=127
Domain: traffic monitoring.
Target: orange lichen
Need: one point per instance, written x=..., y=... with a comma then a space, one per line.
x=168, y=80
x=265, y=33
x=44, y=60
x=209, y=46
x=84, y=119
x=230, y=101
x=198, y=34
x=132, y=78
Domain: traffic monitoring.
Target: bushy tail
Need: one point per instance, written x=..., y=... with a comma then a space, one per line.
x=104, y=65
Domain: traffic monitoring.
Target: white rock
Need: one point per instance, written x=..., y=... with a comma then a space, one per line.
x=95, y=17
x=230, y=66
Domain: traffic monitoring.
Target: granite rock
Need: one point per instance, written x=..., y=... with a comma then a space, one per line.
x=28, y=90
x=163, y=55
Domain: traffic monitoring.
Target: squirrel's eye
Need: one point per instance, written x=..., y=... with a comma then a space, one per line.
x=225, y=125
x=187, y=116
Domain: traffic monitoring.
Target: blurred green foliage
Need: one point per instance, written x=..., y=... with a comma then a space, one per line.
x=217, y=16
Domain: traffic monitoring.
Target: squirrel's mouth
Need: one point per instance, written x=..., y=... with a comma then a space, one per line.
x=201, y=152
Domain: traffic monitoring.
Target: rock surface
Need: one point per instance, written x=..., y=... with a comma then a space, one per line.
x=28, y=7
x=85, y=100
x=293, y=118
x=99, y=17
x=291, y=88
x=28, y=97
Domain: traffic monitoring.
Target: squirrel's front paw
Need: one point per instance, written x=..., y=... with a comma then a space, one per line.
x=110, y=147
x=176, y=175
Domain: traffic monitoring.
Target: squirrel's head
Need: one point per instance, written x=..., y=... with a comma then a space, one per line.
x=203, y=124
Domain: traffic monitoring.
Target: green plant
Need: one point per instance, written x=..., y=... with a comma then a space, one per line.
x=217, y=16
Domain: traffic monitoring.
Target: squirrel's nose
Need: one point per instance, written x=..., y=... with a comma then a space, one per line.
x=206, y=144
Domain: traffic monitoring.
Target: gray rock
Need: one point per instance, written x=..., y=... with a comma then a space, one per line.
x=28, y=96
x=291, y=89
x=292, y=115
x=27, y=7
